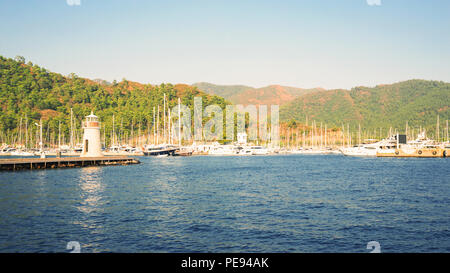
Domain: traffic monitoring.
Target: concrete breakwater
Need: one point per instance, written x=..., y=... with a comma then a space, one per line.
x=15, y=164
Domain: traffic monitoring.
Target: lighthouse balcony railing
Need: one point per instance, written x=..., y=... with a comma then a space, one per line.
x=91, y=124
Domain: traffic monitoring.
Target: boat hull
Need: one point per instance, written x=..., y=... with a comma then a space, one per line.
x=359, y=152
x=160, y=152
x=419, y=152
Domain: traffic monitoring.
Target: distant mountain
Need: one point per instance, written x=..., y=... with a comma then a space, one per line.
x=224, y=91
x=273, y=94
x=417, y=102
x=241, y=94
x=29, y=92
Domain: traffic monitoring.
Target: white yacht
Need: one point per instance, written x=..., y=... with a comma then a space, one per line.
x=245, y=151
x=421, y=140
x=259, y=150
x=310, y=151
x=22, y=153
x=224, y=150
x=363, y=150
x=384, y=146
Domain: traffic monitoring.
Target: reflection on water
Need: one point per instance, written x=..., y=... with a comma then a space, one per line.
x=91, y=204
x=91, y=189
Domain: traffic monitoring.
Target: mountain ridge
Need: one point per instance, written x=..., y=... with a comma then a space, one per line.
x=242, y=94
x=415, y=101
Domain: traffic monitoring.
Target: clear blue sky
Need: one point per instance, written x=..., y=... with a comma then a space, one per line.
x=316, y=43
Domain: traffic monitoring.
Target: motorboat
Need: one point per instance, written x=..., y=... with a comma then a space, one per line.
x=161, y=149
x=361, y=150
x=224, y=150
x=22, y=153
x=259, y=150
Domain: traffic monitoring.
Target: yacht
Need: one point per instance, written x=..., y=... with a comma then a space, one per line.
x=245, y=151
x=387, y=147
x=380, y=148
x=224, y=150
x=361, y=150
x=420, y=147
x=161, y=149
x=259, y=150
x=310, y=151
x=22, y=153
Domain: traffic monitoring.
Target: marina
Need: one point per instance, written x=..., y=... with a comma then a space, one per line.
x=90, y=154
x=164, y=137
x=225, y=136
x=255, y=130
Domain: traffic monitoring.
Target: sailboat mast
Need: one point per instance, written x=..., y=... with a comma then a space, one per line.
x=157, y=127
x=121, y=137
x=59, y=135
x=406, y=130
x=447, y=129
x=321, y=136
x=148, y=132
x=164, y=118
x=169, y=127
x=113, y=132
x=349, y=141
x=104, y=135
x=359, y=134
x=437, y=129
x=132, y=133
x=20, y=132
x=71, y=128
x=179, y=122
x=26, y=132
x=154, y=126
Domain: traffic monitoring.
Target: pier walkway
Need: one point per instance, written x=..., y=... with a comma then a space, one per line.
x=14, y=164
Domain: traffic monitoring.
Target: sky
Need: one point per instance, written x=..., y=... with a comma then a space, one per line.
x=315, y=43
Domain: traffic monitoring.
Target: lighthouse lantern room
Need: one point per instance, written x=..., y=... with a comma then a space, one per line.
x=91, y=137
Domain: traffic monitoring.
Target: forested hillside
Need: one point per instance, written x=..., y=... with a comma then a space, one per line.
x=417, y=102
x=29, y=92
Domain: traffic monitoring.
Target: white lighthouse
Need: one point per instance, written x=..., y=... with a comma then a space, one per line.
x=91, y=138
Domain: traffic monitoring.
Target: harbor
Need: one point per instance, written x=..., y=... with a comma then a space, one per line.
x=91, y=154
x=165, y=133
x=225, y=136
x=396, y=145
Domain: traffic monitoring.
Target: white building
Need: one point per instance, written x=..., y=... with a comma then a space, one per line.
x=242, y=138
x=91, y=138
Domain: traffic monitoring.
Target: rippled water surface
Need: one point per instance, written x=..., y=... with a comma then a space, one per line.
x=231, y=204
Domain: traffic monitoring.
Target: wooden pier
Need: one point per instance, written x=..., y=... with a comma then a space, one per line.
x=15, y=164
